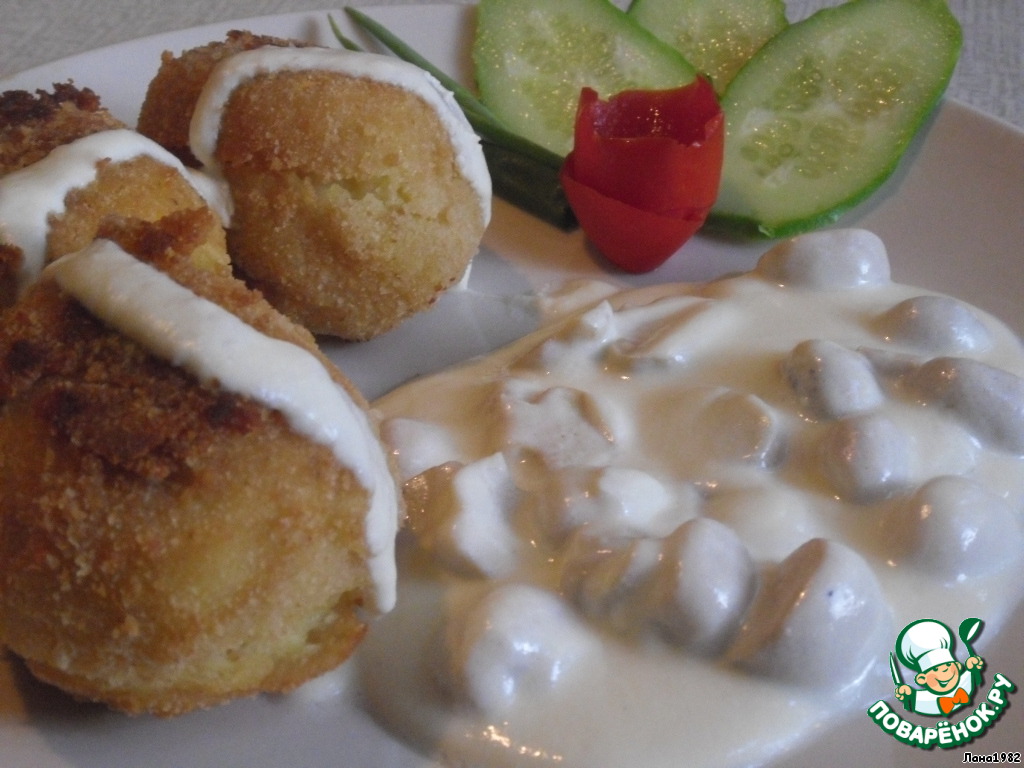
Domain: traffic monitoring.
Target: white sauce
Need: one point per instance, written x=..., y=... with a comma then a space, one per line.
x=684, y=525
x=238, y=68
x=30, y=195
x=214, y=345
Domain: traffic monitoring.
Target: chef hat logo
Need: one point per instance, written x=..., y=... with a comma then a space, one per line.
x=925, y=644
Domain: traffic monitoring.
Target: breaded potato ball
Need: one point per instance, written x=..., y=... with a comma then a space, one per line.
x=65, y=164
x=360, y=192
x=172, y=94
x=166, y=542
x=33, y=124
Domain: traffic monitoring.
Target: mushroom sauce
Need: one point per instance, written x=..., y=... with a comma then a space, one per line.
x=682, y=524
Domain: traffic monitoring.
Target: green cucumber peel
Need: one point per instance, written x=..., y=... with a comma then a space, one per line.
x=522, y=172
x=533, y=57
x=716, y=37
x=820, y=117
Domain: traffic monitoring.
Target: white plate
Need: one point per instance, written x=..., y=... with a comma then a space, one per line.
x=951, y=217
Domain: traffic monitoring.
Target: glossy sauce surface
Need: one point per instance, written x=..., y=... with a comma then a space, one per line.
x=683, y=524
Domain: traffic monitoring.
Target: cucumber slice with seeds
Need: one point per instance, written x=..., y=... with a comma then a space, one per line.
x=532, y=57
x=821, y=115
x=716, y=37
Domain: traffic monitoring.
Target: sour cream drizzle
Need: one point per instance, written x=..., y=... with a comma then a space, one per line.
x=30, y=195
x=236, y=69
x=214, y=345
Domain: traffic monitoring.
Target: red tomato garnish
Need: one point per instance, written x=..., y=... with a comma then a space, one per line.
x=644, y=170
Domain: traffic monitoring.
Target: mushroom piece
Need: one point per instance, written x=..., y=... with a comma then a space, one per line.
x=819, y=620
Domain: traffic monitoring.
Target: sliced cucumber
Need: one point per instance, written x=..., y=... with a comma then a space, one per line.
x=715, y=37
x=532, y=57
x=820, y=116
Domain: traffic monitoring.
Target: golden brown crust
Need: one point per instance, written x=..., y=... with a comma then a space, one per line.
x=350, y=210
x=355, y=222
x=164, y=597
x=33, y=124
x=141, y=188
x=164, y=545
x=81, y=374
x=172, y=94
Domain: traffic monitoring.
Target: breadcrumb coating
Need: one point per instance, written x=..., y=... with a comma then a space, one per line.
x=171, y=97
x=355, y=222
x=33, y=125
x=350, y=210
x=165, y=545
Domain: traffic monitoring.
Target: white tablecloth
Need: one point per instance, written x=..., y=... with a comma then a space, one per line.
x=989, y=76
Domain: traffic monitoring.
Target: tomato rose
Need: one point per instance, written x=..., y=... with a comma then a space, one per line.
x=644, y=170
